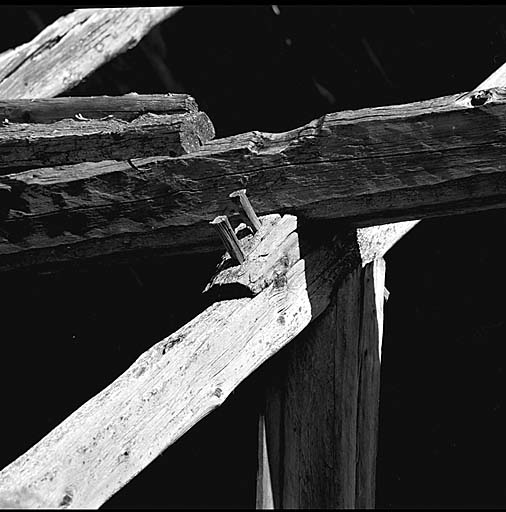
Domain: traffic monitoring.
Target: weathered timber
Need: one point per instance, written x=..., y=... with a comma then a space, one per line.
x=371, y=336
x=496, y=80
x=296, y=442
x=264, y=265
x=117, y=433
x=264, y=497
x=71, y=48
x=127, y=107
x=363, y=167
x=319, y=423
x=69, y=141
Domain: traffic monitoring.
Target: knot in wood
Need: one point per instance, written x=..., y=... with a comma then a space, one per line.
x=481, y=97
x=280, y=280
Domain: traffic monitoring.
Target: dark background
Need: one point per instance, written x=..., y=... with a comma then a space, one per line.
x=67, y=334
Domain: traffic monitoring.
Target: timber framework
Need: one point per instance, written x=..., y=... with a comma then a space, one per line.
x=304, y=218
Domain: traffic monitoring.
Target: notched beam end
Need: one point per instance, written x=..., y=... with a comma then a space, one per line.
x=269, y=253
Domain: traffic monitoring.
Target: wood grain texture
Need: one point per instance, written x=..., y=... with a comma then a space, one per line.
x=28, y=145
x=269, y=252
x=496, y=80
x=117, y=433
x=264, y=497
x=361, y=168
x=71, y=48
x=319, y=425
x=127, y=107
x=371, y=336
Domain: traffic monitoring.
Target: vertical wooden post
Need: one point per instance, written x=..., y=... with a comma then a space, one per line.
x=318, y=428
x=371, y=335
x=264, y=497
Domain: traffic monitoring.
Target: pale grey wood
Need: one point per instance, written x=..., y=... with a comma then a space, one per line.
x=371, y=335
x=72, y=47
x=362, y=168
x=264, y=497
x=264, y=265
x=173, y=385
x=496, y=79
x=127, y=107
x=357, y=480
x=320, y=418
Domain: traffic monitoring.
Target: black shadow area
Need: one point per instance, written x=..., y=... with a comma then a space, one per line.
x=442, y=422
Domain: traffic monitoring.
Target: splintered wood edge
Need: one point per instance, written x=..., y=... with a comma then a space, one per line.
x=270, y=252
x=275, y=248
x=126, y=107
x=74, y=46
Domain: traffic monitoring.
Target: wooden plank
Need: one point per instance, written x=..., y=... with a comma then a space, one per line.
x=117, y=433
x=71, y=48
x=127, y=107
x=362, y=168
x=371, y=335
x=70, y=141
x=264, y=496
x=318, y=448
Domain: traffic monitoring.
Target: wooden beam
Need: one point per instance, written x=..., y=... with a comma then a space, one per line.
x=127, y=107
x=90, y=140
x=173, y=385
x=371, y=336
x=71, y=48
x=319, y=425
x=364, y=167
x=496, y=80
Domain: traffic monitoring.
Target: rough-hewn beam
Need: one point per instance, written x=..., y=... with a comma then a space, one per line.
x=117, y=433
x=29, y=145
x=495, y=80
x=72, y=47
x=370, y=341
x=362, y=167
x=318, y=427
x=127, y=107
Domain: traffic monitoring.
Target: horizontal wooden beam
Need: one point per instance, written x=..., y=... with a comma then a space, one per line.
x=72, y=47
x=362, y=168
x=177, y=382
x=29, y=145
x=391, y=233
x=126, y=107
